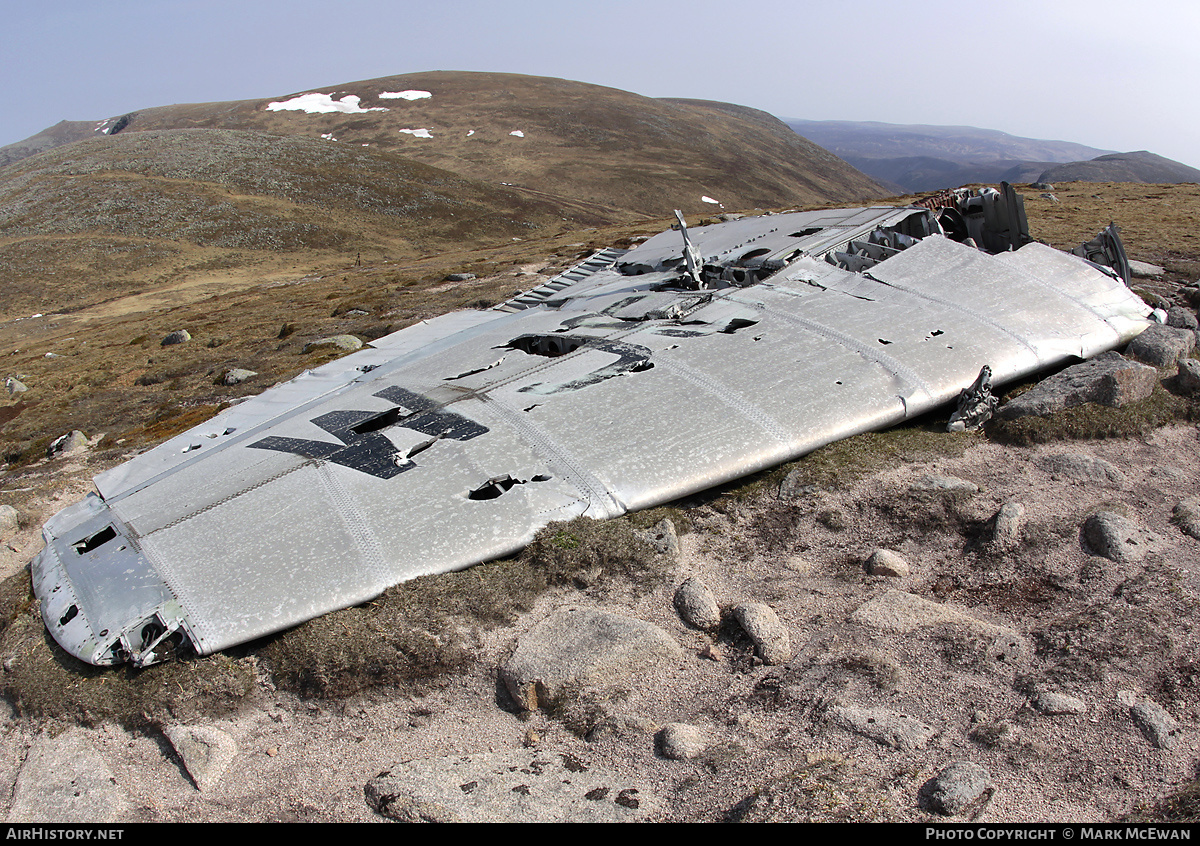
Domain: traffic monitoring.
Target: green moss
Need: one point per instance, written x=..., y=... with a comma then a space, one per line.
x=42, y=680
x=418, y=633
x=1091, y=421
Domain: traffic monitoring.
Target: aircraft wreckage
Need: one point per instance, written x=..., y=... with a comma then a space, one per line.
x=634, y=378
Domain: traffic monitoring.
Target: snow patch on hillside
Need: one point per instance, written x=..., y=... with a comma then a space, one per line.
x=418, y=133
x=411, y=94
x=316, y=104
x=517, y=133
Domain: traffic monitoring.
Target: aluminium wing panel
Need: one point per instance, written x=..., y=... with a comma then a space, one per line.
x=454, y=441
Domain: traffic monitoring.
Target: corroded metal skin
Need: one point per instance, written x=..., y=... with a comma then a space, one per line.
x=626, y=382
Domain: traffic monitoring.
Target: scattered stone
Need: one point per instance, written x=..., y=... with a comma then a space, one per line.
x=1160, y=728
x=460, y=277
x=1108, y=379
x=1054, y=703
x=663, y=538
x=9, y=522
x=1162, y=346
x=1082, y=467
x=355, y=312
x=1146, y=270
x=890, y=728
x=696, y=605
x=519, y=785
x=236, y=376
x=728, y=216
x=1008, y=523
x=1182, y=318
x=348, y=343
x=1048, y=196
x=1188, y=378
x=681, y=742
x=771, y=640
x=1115, y=537
x=69, y=444
x=64, y=780
x=712, y=652
x=902, y=612
x=963, y=789
x=1186, y=515
x=14, y=386
x=1042, y=186
x=206, y=752
x=582, y=648
x=179, y=336
x=884, y=562
x=933, y=484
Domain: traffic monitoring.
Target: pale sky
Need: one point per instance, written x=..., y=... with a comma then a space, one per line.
x=1114, y=75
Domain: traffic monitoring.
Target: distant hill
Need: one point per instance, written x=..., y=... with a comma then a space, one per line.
x=572, y=140
x=925, y=158
x=401, y=166
x=1123, y=167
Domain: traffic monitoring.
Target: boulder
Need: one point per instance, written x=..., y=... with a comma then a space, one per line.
x=9, y=522
x=69, y=444
x=65, y=780
x=347, y=343
x=179, y=336
x=696, y=605
x=962, y=789
x=681, y=742
x=1182, y=318
x=583, y=648
x=885, y=562
x=1145, y=270
x=890, y=728
x=1115, y=537
x=206, y=752
x=1162, y=346
x=771, y=640
x=1081, y=467
x=236, y=376
x=1108, y=379
x=1188, y=378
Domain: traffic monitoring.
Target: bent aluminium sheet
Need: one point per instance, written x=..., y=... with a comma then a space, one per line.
x=454, y=441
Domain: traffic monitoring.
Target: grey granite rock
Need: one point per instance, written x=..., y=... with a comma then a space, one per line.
x=1162, y=346
x=696, y=605
x=583, y=649
x=961, y=789
x=1108, y=379
x=771, y=640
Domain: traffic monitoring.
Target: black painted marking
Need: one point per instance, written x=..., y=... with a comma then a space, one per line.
x=362, y=446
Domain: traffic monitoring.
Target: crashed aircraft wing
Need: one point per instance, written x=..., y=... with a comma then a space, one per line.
x=631, y=380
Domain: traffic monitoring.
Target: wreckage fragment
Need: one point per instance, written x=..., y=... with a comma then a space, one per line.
x=634, y=378
x=976, y=405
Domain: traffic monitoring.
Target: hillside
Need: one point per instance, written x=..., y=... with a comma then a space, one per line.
x=104, y=215
x=571, y=139
x=378, y=170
